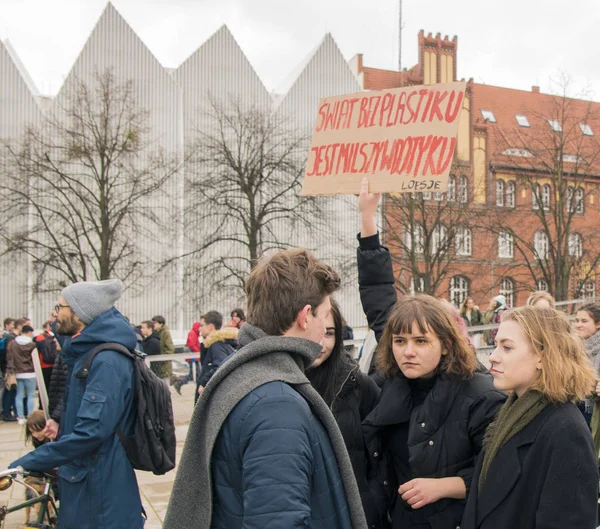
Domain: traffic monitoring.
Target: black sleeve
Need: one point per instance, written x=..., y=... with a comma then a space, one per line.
x=217, y=354
x=481, y=413
x=152, y=347
x=375, y=282
x=369, y=395
x=56, y=391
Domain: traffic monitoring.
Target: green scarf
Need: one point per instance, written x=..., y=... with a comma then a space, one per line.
x=515, y=414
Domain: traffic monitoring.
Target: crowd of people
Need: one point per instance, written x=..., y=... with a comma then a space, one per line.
x=289, y=431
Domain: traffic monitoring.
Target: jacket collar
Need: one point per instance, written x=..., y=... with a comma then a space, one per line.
x=222, y=335
x=505, y=469
x=396, y=402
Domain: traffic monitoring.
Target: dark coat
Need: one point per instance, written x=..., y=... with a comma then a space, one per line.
x=58, y=383
x=215, y=350
x=151, y=345
x=445, y=435
x=273, y=441
x=97, y=482
x=18, y=355
x=545, y=477
x=354, y=401
x=476, y=318
x=445, y=432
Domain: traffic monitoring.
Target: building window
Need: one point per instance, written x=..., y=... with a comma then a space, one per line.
x=572, y=158
x=511, y=194
x=414, y=238
x=507, y=289
x=488, y=115
x=500, y=193
x=579, y=200
x=451, y=191
x=546, y=193
x=555, y=125
x=426, y=195
x=524, y=153
x=575, y=245
x=462, y=241
x=586, y=289
x=522, y=120
x=505, y=245
x=413, y=288
x=542, y=285
x=437, y=196
x=540, y=245
x=463, y=190
x=459, y=290
x=586, y=129
x=536, y=192
x=439, y=242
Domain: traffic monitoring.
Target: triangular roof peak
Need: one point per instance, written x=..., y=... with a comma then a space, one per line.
x=21, y=68
x=325, y=66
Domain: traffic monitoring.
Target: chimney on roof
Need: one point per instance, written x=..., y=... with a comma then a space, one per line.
x=535, y=89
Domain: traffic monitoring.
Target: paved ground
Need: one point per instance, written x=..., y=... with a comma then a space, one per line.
x=155, y=490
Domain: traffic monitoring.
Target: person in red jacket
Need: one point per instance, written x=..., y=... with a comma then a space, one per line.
x=193, y=343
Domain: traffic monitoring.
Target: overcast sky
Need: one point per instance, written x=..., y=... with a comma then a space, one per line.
x=514, y=43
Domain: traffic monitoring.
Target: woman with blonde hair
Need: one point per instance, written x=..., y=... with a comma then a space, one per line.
x=541, y=298
x=538, y=466
x=436, y=401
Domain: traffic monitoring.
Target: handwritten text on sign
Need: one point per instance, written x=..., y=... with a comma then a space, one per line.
x=402, y=139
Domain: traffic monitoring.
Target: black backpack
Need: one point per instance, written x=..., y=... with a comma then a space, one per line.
x=152, y=445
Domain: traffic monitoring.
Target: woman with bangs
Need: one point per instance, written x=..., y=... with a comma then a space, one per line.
x=538, y=467
x=436, y=402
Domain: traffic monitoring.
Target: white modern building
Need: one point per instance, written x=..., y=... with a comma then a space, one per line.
x=218, y=68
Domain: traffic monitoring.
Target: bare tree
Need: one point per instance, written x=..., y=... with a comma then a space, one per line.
x=243, y=195
x=77, y=190
x=427, y=234
x=555, y=159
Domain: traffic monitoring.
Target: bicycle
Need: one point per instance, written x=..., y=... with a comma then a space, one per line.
x=47, y=515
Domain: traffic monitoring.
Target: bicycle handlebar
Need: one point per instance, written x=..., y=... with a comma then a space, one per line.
x=13, y=472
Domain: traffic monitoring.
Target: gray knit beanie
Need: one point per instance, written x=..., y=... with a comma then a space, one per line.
x=90, y=299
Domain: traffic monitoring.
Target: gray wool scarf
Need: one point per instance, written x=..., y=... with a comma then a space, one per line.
x=264, y=359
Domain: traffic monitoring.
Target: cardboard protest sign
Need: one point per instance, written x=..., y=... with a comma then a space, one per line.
x=39, y=376
x=403, y=140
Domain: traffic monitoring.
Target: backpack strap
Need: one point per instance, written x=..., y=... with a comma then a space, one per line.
x=89, y=357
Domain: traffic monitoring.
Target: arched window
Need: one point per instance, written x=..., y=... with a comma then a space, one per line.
x=463, y=190
x=439, y=242
x=575, y=245
x=511, y=194
x=451, y=191
x=505, y=244
x=414, y=238
x=570, y=199
x=416, y=286
x=579, y=200
x=462, y=241
x=542, y=285
x=500, y=193
x=459, y=289
x=507, y=289
x=540, y=245
x=546, y=193
x=536, y=196
x=586, y=289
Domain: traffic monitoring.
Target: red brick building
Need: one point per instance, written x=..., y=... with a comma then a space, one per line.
x=519, y=153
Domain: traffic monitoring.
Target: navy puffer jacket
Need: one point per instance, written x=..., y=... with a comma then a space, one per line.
x=259, y=481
